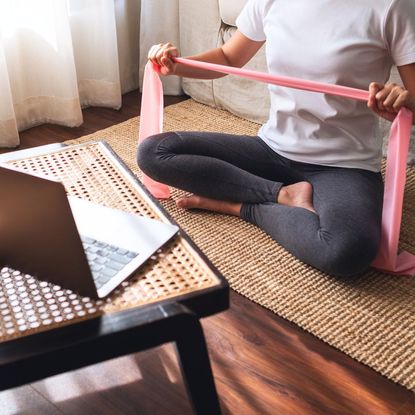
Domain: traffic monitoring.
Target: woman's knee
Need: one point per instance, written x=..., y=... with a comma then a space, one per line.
x=150, y=153
x=351, y=258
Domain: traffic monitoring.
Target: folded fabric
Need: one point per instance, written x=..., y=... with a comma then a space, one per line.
x=388, y=259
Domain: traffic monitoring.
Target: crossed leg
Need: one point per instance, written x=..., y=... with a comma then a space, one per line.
x=328, y=217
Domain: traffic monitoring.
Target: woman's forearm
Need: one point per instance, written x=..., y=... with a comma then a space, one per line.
x=211, y=56
x=237, y=51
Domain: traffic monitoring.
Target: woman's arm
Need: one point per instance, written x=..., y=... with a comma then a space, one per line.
x=387, y=100
x=237, y=51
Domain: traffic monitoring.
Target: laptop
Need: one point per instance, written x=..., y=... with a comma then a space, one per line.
x=79, y=245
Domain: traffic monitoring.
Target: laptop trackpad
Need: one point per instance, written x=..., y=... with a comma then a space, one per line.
x=125, y=230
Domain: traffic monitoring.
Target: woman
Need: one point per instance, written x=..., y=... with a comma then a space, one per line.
x=311, y=180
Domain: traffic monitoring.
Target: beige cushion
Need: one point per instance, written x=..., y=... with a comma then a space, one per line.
x=230, y=92
x=230, y=9
x=202, y=31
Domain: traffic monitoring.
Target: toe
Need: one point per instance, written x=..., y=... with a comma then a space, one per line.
x=188, y=202
x=181, y=203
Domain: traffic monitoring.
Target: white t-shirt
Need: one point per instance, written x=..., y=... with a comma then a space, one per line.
x=344, y=42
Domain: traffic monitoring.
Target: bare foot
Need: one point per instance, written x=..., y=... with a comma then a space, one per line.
x=298, y=194
x=199, y=202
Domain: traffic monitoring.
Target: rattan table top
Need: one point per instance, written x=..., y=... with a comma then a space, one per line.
x=93, y=172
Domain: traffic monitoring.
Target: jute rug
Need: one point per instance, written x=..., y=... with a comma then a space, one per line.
x=371, y=320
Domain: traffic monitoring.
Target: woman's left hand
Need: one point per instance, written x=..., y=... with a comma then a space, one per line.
x=387, y=100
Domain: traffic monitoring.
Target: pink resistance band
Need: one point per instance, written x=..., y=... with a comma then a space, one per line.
x=388, y=259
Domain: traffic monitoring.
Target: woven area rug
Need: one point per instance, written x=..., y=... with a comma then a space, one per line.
x=371, y=320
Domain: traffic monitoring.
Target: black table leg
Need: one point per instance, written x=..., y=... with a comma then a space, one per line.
x=195, y=365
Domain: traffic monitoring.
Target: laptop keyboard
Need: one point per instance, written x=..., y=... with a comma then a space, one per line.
x=105, y=260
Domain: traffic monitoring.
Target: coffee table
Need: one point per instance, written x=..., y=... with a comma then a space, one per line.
x=46, y=329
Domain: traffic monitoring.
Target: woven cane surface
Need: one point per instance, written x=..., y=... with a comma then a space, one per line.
x=371, y=319
x=28, y=305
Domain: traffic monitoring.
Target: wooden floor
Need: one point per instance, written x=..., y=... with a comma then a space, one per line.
x=262, y=364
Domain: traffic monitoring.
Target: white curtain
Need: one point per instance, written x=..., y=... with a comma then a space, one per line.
x=57, y=56
x=160, y=24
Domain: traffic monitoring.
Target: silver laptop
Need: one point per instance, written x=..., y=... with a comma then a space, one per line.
x=79, y=245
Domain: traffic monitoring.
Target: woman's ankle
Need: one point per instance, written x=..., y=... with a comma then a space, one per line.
x=297, y=195
x=213, y=205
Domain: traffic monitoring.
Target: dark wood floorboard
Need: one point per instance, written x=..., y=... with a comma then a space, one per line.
x=408, y=408
x=263, y=365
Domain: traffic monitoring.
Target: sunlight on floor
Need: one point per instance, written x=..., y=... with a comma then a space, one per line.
x=158, y=364
x=90, y=379
x=70, y=385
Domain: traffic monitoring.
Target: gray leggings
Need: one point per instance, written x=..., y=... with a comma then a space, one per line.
x=342, y=239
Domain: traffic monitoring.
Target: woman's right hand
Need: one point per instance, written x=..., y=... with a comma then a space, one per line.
x=161, y=55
